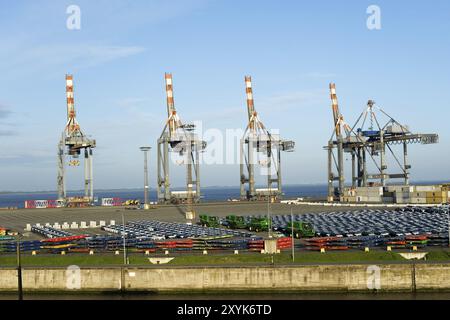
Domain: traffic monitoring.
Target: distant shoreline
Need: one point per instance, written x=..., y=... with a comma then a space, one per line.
x=423, y=182
x=151, y=189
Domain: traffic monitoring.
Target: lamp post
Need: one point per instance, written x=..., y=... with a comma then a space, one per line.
x=292, y=235
x=145, y=150
x=269, y=219
x=19, y=269
x=125, y=260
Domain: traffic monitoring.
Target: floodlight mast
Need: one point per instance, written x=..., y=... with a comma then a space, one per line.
x=258, y=141
x=73, y=141
x=145, y=150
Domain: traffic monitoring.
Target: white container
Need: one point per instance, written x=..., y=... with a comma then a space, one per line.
x=418, y=200
x=426, y=188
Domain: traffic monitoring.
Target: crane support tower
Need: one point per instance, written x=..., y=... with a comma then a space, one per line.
x=180, y=140
x=74, y=143
x=370, y=140
x=262, y=149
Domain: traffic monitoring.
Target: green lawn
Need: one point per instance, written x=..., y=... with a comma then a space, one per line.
x=217, y=259
x=286, y=258
x=58, y=260
x=441, y=255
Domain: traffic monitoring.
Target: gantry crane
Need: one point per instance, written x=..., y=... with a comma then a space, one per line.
x=370, y=138
x=257, y=142
x=73, y=142
x=181, y=140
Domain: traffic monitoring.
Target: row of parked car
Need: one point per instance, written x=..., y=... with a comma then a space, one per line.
x=300, y=229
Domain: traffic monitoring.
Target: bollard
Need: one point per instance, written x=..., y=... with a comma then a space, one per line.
x=366, y=249
x=322, y=250
x=236, y=251
x=91, y=252
x=74, y=225
x=389, y=248
x=205, y=252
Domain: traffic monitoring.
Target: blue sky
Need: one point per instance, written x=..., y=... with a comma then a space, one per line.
x=292, y=49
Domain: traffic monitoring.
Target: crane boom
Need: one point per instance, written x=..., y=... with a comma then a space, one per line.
x=173, y=121
x=70, y=99
x=335, y=107
x=169, y=93
x=249, y=92
x=72, y=125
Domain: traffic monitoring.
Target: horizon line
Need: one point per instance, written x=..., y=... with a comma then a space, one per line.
x=207, y=187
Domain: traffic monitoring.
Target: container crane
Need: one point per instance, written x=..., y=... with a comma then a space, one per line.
x=180, y=139
x=73, y=143
x=369, y=138
x=258, y=142
x=336, y=142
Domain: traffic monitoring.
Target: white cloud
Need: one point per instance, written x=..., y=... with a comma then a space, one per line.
x=131, y=14
x=7, y=133
x=321, y=75
x=295, y=99
x=132, y=102
x=4, y=112
x=44, y=57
